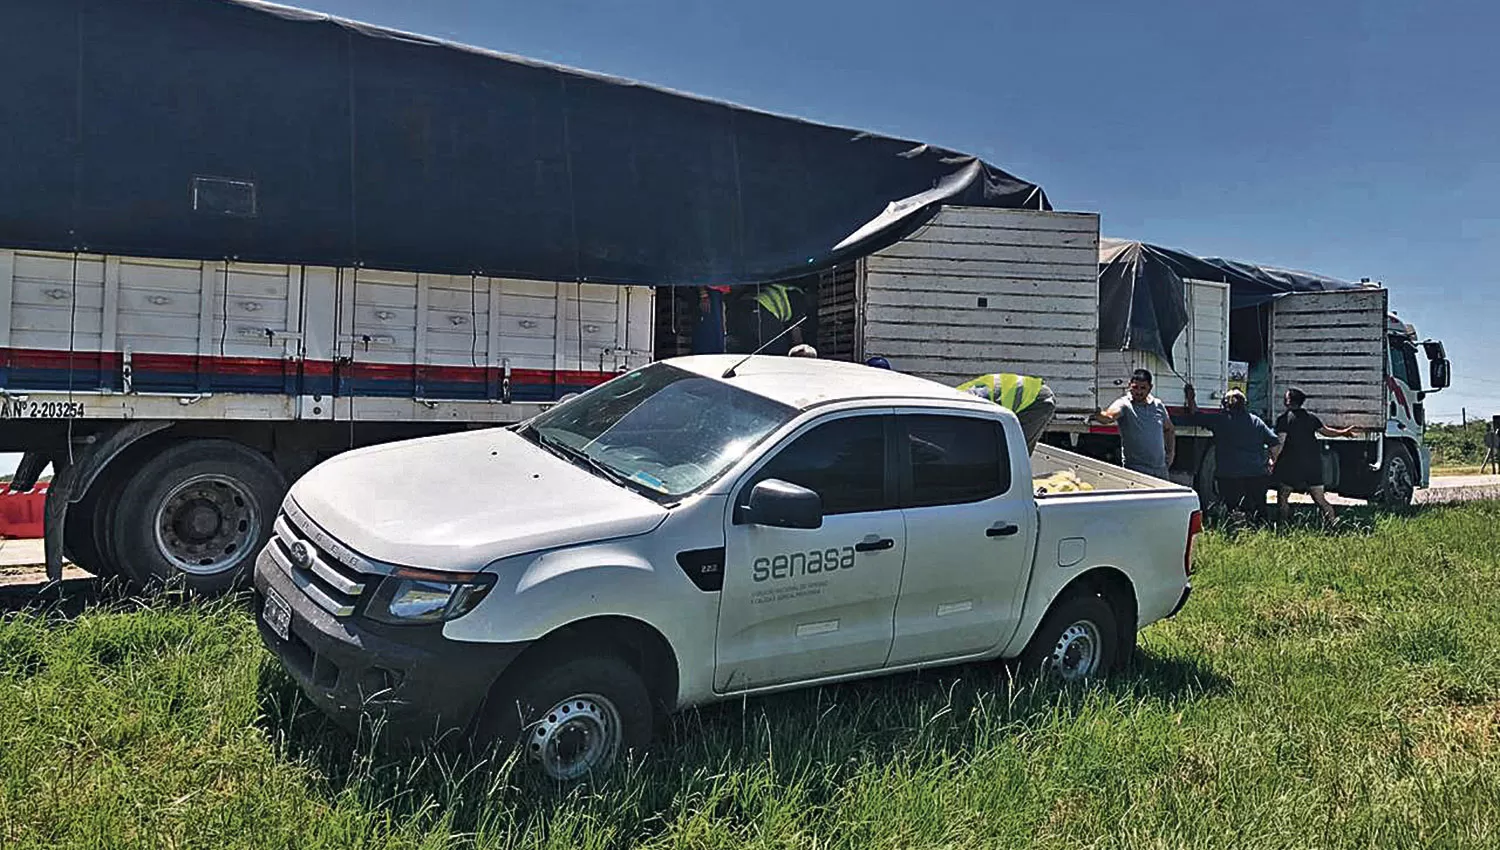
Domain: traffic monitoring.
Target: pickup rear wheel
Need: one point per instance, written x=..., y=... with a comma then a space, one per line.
x=1078, y=640
x=571, y=718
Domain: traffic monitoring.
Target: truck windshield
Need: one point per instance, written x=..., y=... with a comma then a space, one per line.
x=663, y=429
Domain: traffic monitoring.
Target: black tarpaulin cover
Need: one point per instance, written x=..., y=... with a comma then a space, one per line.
x=1142, y=291
x=221, y=128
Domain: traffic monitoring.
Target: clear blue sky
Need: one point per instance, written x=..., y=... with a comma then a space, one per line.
x=1356, y=139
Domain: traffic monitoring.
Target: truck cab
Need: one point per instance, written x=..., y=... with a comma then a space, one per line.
x=1405, y=408
x=700, y=529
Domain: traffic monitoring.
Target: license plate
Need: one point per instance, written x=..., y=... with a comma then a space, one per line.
x=278, y=614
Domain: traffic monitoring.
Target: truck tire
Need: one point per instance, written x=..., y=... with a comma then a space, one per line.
x=1077, y=641
x=1398, y=477
x=197, y=512
x=571, y=717
x=87, y=541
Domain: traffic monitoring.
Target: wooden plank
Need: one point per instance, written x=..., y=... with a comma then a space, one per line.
x=261, y=284
x=109, y=333
x=965, y=216
x=1343, y=301
x=1305, y=364
x=59, y=268
x=1363, y=322
x=1367, y=348
x=375, y=293
x=877, y=313
x=396, y=280
x=210, y=279
x=982, y=268
x=186, y=278
x=419, y=320
x=975, y=286
x=492, y=334
x=1001, y=359
x=58, y=319
x=974, y=364
x=998, y=234
x=560, y=343
x=1077, y=344
x=39, y=293
x=925, y=248
x=930, y=302
x=171, y=302
x=157, y=344
x=7, y=284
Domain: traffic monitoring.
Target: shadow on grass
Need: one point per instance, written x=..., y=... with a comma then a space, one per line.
x=818, y=737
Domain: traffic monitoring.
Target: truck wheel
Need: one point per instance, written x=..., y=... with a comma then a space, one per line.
x=1398, y=477
x=1078, y=640
x=571, y=718
x=86, y=537
x=200, y=510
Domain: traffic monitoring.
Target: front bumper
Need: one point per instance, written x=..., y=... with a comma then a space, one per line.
x=408, y=682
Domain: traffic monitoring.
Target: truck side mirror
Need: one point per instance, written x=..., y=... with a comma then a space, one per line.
x=1441, y=374
x=781, y=504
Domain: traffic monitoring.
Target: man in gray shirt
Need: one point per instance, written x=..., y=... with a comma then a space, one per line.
x=1146, y=436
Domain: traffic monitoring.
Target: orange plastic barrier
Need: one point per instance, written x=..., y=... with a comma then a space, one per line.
x=21, y=513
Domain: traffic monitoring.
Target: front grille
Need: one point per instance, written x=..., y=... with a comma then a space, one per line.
x=330, y=582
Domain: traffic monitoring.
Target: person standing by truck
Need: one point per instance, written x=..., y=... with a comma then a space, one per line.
x=1147, y=439
x=1240, y=442
x=1027, y=397
x=1298, y=460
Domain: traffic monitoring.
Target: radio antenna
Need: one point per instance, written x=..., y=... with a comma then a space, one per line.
x=729, y=373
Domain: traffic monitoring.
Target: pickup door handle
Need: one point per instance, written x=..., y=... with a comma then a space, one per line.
x=1002, y=529
x=874, y=545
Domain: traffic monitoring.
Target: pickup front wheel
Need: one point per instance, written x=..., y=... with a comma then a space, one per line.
x=571, y=718
x=1077, y=640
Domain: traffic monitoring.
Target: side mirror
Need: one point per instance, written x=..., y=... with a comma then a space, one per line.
x=781, y=504
x=1441, y=374
x=1434, y=349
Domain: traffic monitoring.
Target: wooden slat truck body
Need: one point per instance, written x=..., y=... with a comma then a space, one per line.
x=108, y=361
x=983, y=290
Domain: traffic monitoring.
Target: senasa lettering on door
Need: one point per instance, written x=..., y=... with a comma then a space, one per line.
x=799, y=564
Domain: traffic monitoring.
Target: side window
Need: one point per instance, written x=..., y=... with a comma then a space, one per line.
x=843, y=461
x=955, y=460
x=1398, y=365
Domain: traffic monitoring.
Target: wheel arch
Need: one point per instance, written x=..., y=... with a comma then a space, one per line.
x=638, y=643
x=1117, y=590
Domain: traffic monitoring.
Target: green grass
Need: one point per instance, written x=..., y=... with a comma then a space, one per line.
x=1318, y=691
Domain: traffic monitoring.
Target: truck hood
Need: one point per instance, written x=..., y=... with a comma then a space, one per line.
x=460, y=501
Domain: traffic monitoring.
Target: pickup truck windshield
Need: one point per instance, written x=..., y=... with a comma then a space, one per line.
x=662, y=428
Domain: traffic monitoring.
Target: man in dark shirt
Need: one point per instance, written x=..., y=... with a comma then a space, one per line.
x=1299, y=458
x=1240, y=442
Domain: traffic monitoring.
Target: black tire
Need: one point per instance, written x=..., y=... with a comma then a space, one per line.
x=519, y=712
x=217, y=502
x=1057, y=638
x=87, y=541
x=1398, y=477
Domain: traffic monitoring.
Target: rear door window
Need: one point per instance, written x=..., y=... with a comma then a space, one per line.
x=953, y=460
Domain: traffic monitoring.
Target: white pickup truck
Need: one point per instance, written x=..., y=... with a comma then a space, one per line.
x=699, y=529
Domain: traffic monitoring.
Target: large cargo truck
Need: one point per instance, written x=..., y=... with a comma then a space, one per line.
x=237, y=237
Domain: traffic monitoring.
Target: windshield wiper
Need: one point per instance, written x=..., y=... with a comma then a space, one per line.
x=567, y=452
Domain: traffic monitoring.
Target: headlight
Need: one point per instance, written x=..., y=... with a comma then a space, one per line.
x=410, y=596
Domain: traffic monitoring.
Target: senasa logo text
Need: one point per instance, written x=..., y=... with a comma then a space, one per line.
x=797, y=564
